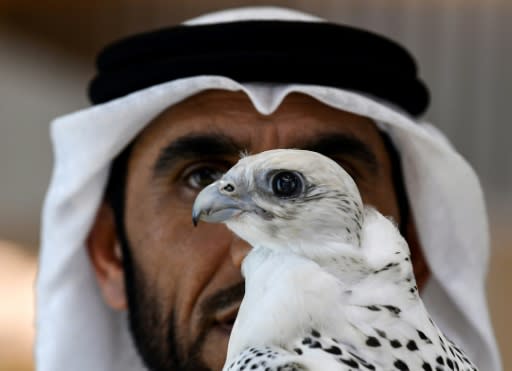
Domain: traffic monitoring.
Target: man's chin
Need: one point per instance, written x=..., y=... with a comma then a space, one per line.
x=215, y=345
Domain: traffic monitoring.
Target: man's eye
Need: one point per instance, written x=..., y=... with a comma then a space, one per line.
x=201, y=176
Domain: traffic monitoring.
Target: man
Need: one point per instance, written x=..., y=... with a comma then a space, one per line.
x=127, y=283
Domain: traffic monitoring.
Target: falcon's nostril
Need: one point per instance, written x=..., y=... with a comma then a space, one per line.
x=228, y=188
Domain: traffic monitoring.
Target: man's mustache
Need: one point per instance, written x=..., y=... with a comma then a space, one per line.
x=224, y=298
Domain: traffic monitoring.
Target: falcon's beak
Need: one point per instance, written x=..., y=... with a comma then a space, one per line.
x=214, y=204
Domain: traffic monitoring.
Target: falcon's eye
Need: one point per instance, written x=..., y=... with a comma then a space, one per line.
x=286, y=184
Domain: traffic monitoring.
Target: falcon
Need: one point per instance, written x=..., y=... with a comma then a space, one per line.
x=329, y=281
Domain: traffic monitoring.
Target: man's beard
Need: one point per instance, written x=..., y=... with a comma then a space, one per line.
x=155, y=332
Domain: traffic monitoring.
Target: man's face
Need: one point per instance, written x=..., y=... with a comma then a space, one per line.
x=187, y=284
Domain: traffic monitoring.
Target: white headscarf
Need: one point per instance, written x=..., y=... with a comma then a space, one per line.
x=77, y=331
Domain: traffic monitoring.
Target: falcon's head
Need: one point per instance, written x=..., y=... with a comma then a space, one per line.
x=285, y=199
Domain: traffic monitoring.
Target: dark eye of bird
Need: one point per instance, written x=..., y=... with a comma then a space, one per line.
x=286, y=184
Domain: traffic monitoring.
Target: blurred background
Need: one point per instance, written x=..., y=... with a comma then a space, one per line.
x=47, y=50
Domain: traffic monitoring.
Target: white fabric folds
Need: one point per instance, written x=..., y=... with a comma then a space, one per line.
x=77, y=331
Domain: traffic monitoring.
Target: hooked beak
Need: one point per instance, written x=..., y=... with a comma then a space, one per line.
x=213, y=206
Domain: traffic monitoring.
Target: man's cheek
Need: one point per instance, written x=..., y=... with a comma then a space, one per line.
x=208, y=241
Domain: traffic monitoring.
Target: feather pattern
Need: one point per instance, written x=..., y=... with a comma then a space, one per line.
x=329, y=282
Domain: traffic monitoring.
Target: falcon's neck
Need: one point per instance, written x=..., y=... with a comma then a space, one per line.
x=342, y=260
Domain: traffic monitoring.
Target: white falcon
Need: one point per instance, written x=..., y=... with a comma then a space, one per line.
x=329, y=281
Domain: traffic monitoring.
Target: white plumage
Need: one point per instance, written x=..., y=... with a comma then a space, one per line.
x=329, y=282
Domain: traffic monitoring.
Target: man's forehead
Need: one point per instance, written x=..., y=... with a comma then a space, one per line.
x=233, y=115
x=212, y=107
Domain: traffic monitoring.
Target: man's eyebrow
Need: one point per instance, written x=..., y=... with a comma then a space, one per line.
x=340, y=144
x=194, y=146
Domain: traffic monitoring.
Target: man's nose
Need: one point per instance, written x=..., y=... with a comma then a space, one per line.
x=239, y=249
